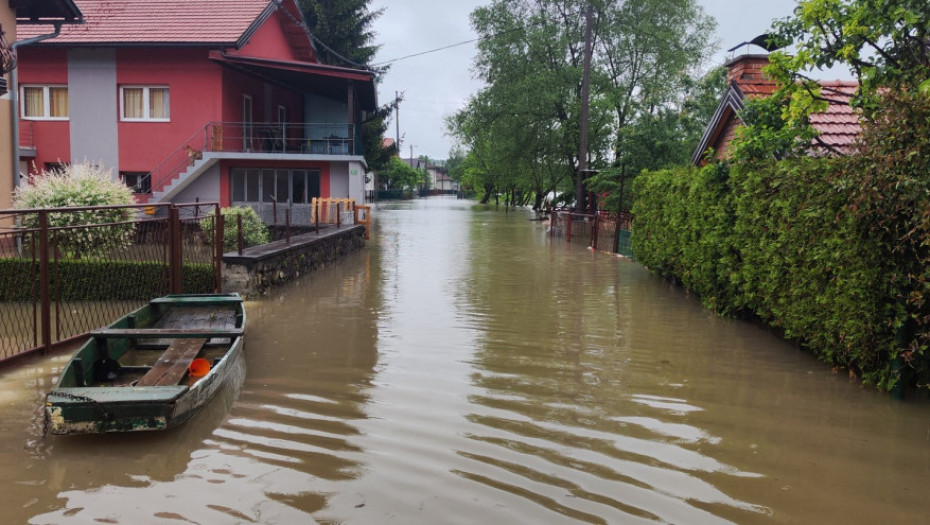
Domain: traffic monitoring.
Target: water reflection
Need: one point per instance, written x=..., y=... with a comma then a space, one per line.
x=554, y=366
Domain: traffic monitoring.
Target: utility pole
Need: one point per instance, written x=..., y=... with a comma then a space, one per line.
x=580, y=193
x=397, y=120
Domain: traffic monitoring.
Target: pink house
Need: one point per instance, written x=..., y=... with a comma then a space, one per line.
x=219, y=100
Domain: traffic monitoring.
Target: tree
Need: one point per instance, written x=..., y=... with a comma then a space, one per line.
x=531, y=57
x=885, y=43
x=660, y=139
x=397, y=174
x=342, y=30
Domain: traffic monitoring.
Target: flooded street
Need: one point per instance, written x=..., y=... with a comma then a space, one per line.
x=465, y=368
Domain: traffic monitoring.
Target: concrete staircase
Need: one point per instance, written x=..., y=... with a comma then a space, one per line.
x=183, y=179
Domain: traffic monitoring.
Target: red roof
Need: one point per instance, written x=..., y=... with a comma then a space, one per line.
x=166, y=22
x=839, y=125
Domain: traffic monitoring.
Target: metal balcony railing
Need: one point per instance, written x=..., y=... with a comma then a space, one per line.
x=252, y=137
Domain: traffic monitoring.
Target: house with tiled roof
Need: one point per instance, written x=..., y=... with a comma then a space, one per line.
x=838, y=126
x=216, y=100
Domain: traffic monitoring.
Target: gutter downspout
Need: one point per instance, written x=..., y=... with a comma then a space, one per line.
x=14, y=96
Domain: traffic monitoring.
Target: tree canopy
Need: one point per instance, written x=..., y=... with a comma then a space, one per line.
x=522, y=131
x=342, y=30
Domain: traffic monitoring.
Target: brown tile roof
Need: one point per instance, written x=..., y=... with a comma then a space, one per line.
x=169, y=22
x=839, y=125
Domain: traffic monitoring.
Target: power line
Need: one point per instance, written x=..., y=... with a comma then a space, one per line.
x=386, y=62
x=462, y=43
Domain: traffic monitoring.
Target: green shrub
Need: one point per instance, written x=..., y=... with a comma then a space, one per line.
x=99, y=281
x=254, y=231
x=796, y=244
x=79, y=185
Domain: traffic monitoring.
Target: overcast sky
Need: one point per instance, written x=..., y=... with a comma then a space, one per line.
x=438, y=84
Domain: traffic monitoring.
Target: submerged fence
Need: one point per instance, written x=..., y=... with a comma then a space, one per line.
x=66, y=271
x=602, y=230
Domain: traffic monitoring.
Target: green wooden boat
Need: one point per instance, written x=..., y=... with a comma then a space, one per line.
x=150, y=370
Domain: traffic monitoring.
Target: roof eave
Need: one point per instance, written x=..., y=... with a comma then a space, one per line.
x=56, y=12
x=732, y=100
x=256, y=24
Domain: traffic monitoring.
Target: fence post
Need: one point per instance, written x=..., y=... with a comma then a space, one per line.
x=46, y=296
x=617, y=234
x=316, y=217
x=338, y=214
x=596, y=230
x=175, y=261
x=568, y=227
x=218, y=249
x=239, y=242
x=287, y=226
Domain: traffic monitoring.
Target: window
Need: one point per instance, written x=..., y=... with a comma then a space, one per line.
x=283, y=186
x=139, y=181
x=44, y=102
x=144, y=103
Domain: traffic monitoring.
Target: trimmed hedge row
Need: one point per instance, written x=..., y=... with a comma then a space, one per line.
x=99, y=281
x=787, y=243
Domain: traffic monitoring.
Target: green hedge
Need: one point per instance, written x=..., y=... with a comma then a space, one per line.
x=789, y=243
x=99, y=281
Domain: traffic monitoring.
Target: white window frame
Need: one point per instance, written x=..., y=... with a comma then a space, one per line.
x=46, y=101
x=145, y=103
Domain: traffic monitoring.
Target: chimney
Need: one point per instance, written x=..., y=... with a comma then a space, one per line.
x=746, y=70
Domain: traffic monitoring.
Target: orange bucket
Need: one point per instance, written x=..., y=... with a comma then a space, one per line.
x=199, y=367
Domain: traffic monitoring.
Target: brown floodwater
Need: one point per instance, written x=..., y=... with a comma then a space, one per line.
x=465, y=368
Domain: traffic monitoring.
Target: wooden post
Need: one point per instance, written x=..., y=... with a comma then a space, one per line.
x=596, y=230
x=175, y=283
x=218, y=245
x=568, y=227
x=44, y=273
x=239, y=241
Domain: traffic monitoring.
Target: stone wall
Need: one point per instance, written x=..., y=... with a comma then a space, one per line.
x=260, y=268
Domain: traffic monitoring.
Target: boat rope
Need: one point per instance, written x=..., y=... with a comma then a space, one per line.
x=73, y=397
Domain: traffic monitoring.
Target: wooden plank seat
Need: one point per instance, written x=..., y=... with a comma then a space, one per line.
x=193, y=300
x=170, y=368
x=181, y=333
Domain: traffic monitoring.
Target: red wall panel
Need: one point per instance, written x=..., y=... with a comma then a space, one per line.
x=193, y=83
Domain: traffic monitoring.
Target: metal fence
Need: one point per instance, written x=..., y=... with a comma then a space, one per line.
x=66, y=271
x=602, y=230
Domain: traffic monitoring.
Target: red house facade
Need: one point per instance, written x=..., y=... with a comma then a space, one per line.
x=219, y=100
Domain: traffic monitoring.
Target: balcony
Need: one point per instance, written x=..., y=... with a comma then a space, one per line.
x=252, y=140
x=247, y=137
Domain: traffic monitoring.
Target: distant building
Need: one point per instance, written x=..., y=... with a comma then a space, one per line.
x=839, y=125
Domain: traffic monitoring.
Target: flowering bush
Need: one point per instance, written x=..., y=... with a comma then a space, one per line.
x=79, y=185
